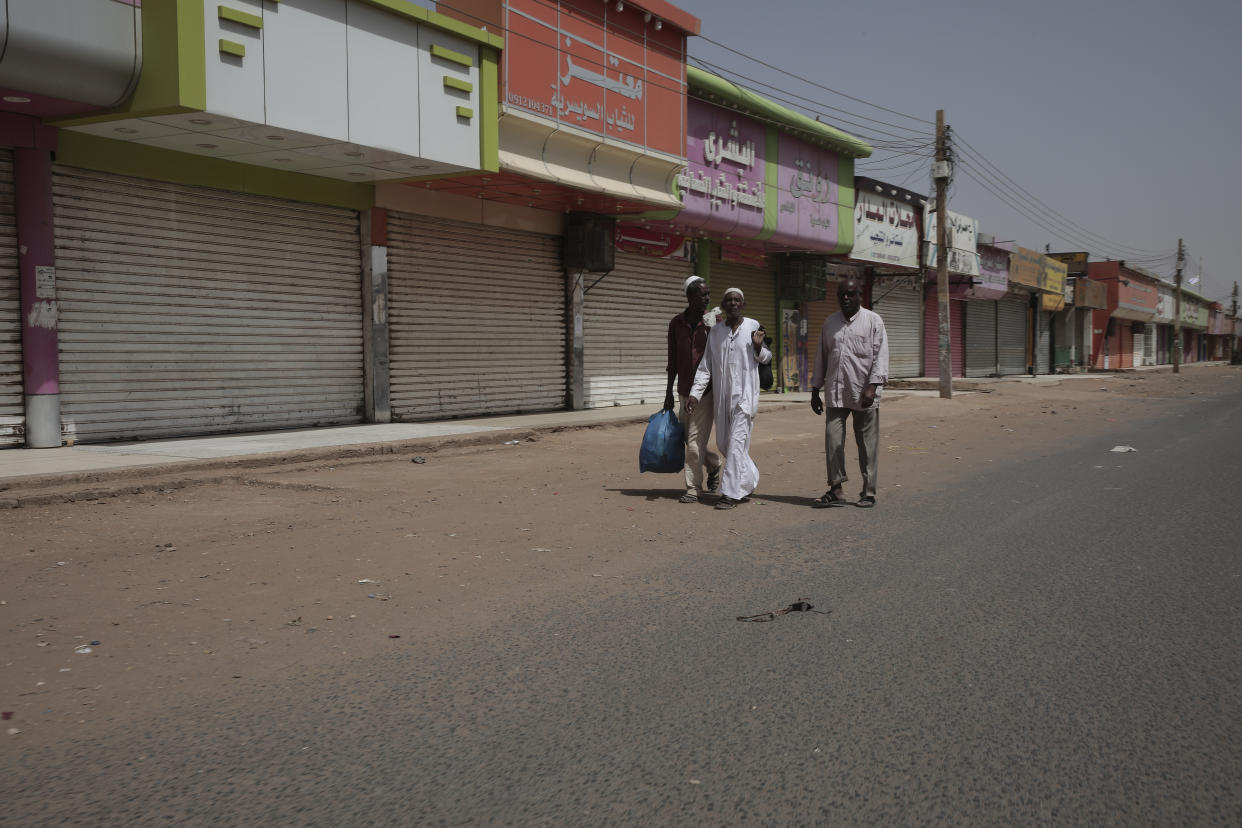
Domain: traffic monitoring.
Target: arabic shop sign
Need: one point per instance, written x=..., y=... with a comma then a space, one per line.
x=885, y=231
x=722, y=187
x=1026, y=267
x=744, y=178
x=962, y=239
x=1052, y=284
x=993, y=281
x=584, y=64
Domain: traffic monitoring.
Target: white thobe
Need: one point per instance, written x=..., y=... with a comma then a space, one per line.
x=853, y=353
x=731, y=367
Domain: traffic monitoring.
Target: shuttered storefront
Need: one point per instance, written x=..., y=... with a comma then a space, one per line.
x=625, y=330
x=901, y=308
x=12, y=407
x=1043, y=343
x=931, y=336
x=476, y=319
x=759, y=287
x=1011, y=316
x=186, y=310
x=816, y=314
x=980, y=338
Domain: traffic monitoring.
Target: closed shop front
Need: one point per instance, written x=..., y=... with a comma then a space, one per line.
x=900, y=305
x=186, y=310
x=931, y=335
x=1043, y=343
x=980, y=338
x=625, y=329
x=817, y=313
x=757, y=284
x=12, y=407
x=476, y=319
x=1011, y=318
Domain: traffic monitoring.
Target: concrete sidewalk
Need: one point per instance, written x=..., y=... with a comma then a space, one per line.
x=85, y=460
x=68, y=461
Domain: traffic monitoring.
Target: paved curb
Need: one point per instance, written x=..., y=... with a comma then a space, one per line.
x=74, y=487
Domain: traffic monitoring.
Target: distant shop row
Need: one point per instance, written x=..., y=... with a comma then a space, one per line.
x=472, y=215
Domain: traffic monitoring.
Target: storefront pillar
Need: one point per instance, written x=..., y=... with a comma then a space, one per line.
x=373, y=231
x=36, y=245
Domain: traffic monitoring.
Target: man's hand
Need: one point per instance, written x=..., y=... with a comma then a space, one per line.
x=817, y=405
x=868, y=396
x=691, y=402
x=756, y=339
x=668, y=401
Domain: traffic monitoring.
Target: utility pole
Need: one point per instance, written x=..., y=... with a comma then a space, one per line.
x=940, y=172
x=1233, y=339
x=1177, y=312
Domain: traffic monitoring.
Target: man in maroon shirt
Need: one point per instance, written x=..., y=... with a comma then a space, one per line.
x=687, y=339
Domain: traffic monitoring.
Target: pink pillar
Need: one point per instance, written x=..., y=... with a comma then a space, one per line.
x=36, y=246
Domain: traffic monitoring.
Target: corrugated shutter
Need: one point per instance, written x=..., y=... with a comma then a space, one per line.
x=12, y=407
x=1011, y=335
x=901, y=309
x=759, y=287
x=931, y=336
x=190, y=311
x=625, y=330
x=476, y=319
x=980, y=338
x=817, y=313
x=1043, y=347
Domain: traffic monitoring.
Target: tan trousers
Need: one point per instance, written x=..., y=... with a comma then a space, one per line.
x=698, y=427
x=866, y=435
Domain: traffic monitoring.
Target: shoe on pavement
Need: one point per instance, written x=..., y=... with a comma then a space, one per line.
x=726, y=502
x=713, y=482
x=689, y=498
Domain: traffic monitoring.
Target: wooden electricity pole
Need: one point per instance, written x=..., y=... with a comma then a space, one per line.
x=1177, y=314
x=940, y=172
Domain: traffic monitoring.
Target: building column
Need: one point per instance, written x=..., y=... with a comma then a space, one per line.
x=575, y=366
x=36, y=258
x=375, y=372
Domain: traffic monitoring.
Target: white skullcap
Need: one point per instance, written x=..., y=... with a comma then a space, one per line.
x=738, y=291
x=690, y=280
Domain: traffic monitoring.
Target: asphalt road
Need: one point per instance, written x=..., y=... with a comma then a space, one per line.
x=1055, y=641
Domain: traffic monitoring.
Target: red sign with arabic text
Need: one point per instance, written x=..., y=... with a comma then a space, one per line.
x=584, y=64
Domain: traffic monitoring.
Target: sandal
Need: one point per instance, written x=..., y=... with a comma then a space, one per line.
x=726, y=502
x=689, y=498
x=829, y=499
x=865, y=502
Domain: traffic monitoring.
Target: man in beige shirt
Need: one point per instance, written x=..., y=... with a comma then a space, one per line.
x=851, y=367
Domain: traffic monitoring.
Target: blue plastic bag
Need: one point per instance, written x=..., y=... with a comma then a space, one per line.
x=664, y=445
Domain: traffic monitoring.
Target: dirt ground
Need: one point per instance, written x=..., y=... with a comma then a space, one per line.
x=114, y=606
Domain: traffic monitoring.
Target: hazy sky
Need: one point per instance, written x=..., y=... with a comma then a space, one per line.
x=1123, y=117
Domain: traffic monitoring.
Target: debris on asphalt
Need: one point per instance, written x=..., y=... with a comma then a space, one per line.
x=94, y=643
x=368, y=581
x=82, y=649
x=419, y=460
x=513, y=442
x=383, y=596
x=297, y=622
x=394, y=636
x=6, y=715
x=801, y=605
x=1123, y=448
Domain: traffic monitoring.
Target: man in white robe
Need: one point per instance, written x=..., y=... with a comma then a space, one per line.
x=730, y=366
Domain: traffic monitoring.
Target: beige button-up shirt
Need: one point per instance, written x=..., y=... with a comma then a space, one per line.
x=853, y=353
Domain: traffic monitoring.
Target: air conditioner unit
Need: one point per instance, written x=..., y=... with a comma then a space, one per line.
x=589, y=243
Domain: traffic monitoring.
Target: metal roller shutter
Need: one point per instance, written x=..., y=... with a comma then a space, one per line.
x=476, y=319
x=1043, y=346
x=625, y=330
x=980, y=338
x=1011, y=335
x=901, y=309
x=12, y=407
x=758, y=286
x=191, y=311
x=817, y=313
x=931, y=336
